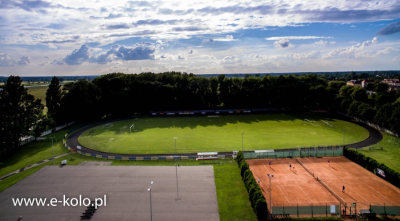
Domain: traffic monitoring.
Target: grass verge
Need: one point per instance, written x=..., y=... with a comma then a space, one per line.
x=389, y=154
x=34, y=152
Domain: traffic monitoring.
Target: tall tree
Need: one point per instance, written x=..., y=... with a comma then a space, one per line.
x=19, y=112
x=53, y=98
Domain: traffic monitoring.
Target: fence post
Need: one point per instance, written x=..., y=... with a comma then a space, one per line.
x=283, y=209
x=312, y=210
x=297, y=210
x=326, y=208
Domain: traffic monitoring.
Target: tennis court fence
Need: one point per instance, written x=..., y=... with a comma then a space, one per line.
x=306, y=210
x=385, y=210
x=297, y=152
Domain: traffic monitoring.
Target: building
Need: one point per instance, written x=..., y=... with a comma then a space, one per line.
x=355, y=83
x=392, y=82
x=364, y=83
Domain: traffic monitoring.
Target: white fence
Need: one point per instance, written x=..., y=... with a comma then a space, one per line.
x=27, y=139
x=370, y=124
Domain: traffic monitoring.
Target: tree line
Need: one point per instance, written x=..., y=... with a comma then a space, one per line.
x=122, y=95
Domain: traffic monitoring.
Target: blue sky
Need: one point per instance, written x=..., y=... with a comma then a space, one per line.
x=92, y=37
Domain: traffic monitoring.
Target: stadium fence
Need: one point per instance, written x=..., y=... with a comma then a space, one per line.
x=298, y=152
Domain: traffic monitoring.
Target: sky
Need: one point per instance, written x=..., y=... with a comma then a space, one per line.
x=95, y=37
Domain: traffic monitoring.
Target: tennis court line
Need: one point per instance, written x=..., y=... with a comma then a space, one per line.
x=267, y=169
x=342, y=168
x=356, y=193
x=284, y=194
x=305, y=193
x=378, y=192
x=321, y=166
x=284, y=168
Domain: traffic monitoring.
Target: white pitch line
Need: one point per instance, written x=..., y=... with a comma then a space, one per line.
x=284, y=194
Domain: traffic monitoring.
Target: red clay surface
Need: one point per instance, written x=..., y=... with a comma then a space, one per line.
x=299, y=187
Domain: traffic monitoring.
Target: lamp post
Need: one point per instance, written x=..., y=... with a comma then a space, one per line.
x=242, y=142
x=52, y=149
x=270, y=193
x=151, y=212
x=176, y=174
x=343, y=136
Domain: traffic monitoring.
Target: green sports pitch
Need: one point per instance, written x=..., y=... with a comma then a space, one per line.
x=155, y=135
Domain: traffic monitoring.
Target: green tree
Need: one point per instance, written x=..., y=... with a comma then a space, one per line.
x=395, y=119
x=383, y=116
x=381, y=87
x=19, y=112
x=53, y=98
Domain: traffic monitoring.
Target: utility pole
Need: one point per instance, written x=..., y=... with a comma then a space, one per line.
x=151, y=212
x=52, y=149
x=176, y=173
x=270, y=193
x=343, y=136
x=242, y=142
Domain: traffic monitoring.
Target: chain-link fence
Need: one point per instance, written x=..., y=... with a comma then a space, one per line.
x=306, y=210
x=298, y=152
x=385, y=210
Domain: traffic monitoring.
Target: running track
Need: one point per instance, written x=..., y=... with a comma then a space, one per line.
x=375, y=136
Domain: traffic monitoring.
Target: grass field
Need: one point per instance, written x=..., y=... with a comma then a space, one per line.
x=224, y=133
x=39, y=92
x=389, y=155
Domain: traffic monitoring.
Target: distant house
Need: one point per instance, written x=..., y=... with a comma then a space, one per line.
x=364, y=83
x=370, y=92
x=355, y=83
x=394, y=88
x=392, y=82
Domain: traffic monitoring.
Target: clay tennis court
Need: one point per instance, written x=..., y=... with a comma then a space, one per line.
x=297, y=186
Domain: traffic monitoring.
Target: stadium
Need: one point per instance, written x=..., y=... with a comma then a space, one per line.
x=295, y=179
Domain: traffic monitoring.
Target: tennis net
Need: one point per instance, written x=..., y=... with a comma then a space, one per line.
x=332, y=192
x=308, y=170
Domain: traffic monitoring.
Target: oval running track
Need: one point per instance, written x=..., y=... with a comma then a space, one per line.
x=375, y=136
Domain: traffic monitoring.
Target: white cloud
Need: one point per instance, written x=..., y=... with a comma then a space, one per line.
x=233, y=59
x=283, y=43
x=321, y=42
x=397, y=58
x=354, y=51
x=227, y=38
x=191, y=52
x=208, y=57
x=294, y=38
x=7, y=61
x=353, y=26
x=181, y=56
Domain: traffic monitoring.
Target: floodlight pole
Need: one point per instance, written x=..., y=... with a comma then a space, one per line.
x=343, y=136
x=242, y=142
x=52, y=149
x=151, y=211
x=270, y=193
x=176, y=173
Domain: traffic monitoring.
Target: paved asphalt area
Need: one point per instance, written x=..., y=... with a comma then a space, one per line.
x=126, y=190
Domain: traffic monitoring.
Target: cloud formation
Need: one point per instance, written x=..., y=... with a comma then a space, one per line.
x=390, y=29
x=295, y=38
x=283, y=43
x=7, y=61
x=354, y=51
